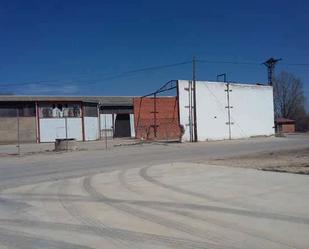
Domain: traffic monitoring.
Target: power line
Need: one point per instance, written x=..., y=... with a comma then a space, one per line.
x=124, y=74
x=112, y=75
x=248, y=63
x=194, y=99
x=295, y=64
x=229, y=62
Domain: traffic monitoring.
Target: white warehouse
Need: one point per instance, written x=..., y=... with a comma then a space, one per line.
x=225, y=110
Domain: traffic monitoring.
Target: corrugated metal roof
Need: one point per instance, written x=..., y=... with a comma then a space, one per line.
x=284, y=121
x=104, y=100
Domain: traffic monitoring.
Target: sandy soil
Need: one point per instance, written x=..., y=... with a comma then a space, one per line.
x=290, y=161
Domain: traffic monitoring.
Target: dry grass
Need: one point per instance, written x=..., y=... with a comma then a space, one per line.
x=290, y=161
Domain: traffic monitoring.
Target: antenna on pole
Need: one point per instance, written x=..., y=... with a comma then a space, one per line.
x=270, y=64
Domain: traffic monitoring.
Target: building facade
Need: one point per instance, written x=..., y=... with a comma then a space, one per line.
x=226, y=110
x=44, y=119
x=156, y=118
x=284, y=125
x=219, y=111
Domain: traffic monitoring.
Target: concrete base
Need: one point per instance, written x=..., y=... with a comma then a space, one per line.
x=65, y=144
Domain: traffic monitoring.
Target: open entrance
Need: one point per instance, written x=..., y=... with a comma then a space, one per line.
x=122, y=125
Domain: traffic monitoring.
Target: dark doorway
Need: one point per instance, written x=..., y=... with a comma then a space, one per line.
x=122, y=125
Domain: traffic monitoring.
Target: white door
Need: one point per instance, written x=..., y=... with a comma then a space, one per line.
x=107, y=125
x=53, y=128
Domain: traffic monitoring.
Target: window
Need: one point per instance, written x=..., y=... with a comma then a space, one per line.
x=91, y=110
x=60, y=110
x=10, y=109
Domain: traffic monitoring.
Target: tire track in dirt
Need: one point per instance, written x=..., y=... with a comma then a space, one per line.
x=242, y=212
x=153, y=205
x=100, y=229
x=14, y=239
x=147, y=238
x=168, y=223
x=21, y=200
x=97, y=227
x=218, y=222
x=233, y=226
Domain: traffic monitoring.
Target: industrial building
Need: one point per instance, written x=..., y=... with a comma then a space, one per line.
x=46, y=118
x=214, y=111
x=226, y=110
x=223, y=111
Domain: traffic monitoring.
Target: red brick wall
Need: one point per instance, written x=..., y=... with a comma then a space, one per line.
x=166, y=121
x=288, y=128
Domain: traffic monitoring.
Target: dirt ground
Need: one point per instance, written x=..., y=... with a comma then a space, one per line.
x=152, y=196
x=289, y=161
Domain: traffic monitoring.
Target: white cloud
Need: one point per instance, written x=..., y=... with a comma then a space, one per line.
x=41, y=89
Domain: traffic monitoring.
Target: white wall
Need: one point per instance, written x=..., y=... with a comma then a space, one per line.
x=52, y=128
x=91, y=126
x=252, y=113
x=107, y=123
x=212, y=115
x=183, y=98
x=132, y=125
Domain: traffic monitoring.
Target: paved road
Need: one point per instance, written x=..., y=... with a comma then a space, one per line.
x=153, y=196
x=41, y=167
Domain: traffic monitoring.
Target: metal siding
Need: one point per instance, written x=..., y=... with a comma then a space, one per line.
x=75, y=128
x=107, y=123
x=91, y=128
x=132, y=125
x=52, y=128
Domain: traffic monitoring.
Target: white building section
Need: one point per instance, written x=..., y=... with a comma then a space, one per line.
x=250, y=106
x=252, y=112
x=53, y=128
x=107, y=125
x=91, y=126
x=132, y=125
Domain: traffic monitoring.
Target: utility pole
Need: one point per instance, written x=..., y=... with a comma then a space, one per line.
x=190, y=89
x=18, y=131
x=229, y=123
x=270, y=64
x=105, y=130
x=66, y=132
x=194, y=97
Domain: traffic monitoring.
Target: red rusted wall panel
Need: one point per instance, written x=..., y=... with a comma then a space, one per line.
x=165, y=119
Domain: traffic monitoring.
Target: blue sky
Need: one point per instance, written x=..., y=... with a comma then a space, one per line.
x=72, y=47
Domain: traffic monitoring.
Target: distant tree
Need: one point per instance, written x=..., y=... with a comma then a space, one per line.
x=289, y=99
x=304, y=123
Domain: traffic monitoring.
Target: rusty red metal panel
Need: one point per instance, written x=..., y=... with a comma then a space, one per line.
x=156, y=118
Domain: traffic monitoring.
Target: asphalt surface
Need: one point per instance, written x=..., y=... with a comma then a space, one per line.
x=153, y=196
